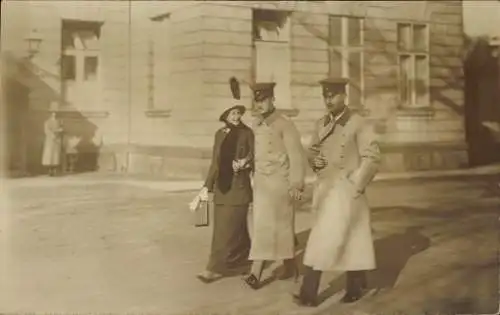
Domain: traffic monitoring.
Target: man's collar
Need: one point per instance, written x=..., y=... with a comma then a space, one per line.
x=343, y=116
x=340, y=118
x=268, y=119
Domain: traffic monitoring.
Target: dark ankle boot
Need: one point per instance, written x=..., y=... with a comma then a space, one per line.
x=351, y=297
x=302, y=301
x=308, y=295
x=252, y=281
x=355, y=286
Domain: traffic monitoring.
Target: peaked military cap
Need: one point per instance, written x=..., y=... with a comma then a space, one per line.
x=224, y=115
x=333, y=86
x=262, y=90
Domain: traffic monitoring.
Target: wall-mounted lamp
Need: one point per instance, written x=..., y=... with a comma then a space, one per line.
x=33, y=40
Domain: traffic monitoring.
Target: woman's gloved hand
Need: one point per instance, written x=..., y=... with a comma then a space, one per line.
x=203, y=194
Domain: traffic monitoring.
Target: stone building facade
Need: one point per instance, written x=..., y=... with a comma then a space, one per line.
x=148, y=88
x=81, y=63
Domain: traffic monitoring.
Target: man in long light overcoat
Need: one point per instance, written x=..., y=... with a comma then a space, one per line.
x=280, y=166
x=52, y=146
x=345, y=155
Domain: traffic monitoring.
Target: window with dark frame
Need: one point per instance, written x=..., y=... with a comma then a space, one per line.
x=91, y=65
x=271, y=56
x=346, y=54
x=413, y=60
x=79, y=54
x=68, y=68
x=268, y=25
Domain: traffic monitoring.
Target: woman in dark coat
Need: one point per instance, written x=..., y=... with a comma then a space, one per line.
x=229, y=180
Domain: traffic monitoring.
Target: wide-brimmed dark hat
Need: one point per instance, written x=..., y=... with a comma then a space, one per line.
x=333, y=86
x=241, y=108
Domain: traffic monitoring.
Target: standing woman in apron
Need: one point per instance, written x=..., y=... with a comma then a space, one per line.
x=51, y=158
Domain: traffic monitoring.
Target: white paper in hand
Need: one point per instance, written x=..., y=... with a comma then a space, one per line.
x=194, y=204
x=203, y=195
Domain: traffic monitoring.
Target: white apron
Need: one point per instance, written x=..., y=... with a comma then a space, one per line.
x=52, y=144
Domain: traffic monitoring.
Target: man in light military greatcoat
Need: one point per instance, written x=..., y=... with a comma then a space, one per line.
x=345, y=155
x=280, y=166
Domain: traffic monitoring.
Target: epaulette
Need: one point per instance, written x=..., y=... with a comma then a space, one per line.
x=285, y=117
x=255, y=121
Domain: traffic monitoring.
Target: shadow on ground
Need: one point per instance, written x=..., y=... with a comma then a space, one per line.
x=392, y=254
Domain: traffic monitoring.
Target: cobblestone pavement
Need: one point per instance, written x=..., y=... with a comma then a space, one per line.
x=111, y=247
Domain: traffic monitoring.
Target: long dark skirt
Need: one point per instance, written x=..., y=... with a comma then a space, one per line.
x=230, y=239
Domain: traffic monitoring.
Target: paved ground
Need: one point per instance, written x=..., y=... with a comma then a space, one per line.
x=104, y=246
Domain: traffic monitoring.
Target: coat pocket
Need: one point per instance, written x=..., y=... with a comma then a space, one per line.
x=353, y=189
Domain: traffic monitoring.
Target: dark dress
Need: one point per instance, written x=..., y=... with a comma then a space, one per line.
x=230, y=239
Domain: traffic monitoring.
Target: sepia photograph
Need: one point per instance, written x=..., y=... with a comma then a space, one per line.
x=250, y=157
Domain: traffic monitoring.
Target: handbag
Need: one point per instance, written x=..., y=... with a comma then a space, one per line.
x=201, y=211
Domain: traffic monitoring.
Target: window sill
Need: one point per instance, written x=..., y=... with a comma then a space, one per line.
x=158, y=113
x=415, y=112
x=259, y=41
x=72, y=113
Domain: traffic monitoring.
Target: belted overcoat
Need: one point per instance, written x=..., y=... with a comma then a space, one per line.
x=341, y=237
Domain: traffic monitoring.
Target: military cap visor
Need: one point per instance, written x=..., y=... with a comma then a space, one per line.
x=240, y=108
x=333, y=86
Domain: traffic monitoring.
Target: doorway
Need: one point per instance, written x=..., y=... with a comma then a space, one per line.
x=482, y=104
x=17, y=99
